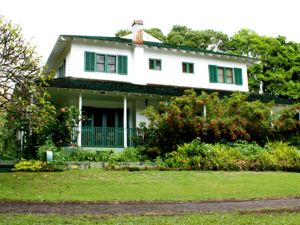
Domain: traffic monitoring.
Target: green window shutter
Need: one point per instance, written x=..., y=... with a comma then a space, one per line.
x=89, y=61
x=213, y=74
x=122, y=64
x=238, y=78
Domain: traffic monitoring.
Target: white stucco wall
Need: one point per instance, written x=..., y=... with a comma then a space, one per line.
x=138, y=66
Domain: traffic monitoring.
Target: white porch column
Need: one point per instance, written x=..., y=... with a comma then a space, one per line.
x=125, y=121
x=80, y=120
x=204, y=111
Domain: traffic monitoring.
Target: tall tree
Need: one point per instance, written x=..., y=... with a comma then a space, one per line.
x=22, y=94
x=122, y=32
x=157, y=33
x=279, y=62
x=205, y=39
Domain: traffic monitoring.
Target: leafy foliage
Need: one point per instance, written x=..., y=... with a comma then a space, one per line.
x=63, y=129
x=122, y=32
x=279, y=66
x=30, y=166
x=182, y=120
x=205, y=39
x=236, y=156
x=23, y=99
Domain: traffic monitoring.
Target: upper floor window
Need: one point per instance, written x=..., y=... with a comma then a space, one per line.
x=225, y=75
x=105, y=63
x=111, y=64
x=154, y=64
x=187, y=67
x=62, y=70
x=100, y=63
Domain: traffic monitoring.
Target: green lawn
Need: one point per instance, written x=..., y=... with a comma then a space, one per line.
x=207, y=219
x=101, y=185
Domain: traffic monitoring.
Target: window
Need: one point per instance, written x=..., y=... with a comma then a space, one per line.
x=111, y=64
x=225, y=75
x=100, y=63
x=105, y=63
x=221, y=75
x=154, y=64
x=62, y=70
x=187, y=67
x=229, y=75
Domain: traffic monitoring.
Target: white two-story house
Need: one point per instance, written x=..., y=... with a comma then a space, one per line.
x=112, y=80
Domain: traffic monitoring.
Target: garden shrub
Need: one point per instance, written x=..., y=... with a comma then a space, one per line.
x=39, y=166
x=182, y=119
x=233, y=156
x=286, y=157
x=177, y=160
x=226, y=157
x=30, y=166
x=131, y=154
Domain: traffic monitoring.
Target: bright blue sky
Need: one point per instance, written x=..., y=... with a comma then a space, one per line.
x=43, y=20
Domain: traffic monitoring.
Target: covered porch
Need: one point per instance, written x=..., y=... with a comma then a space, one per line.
x=106, y=119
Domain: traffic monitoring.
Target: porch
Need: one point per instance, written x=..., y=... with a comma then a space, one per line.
x=106, y=119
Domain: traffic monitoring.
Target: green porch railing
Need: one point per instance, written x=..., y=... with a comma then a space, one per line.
x=109, y=137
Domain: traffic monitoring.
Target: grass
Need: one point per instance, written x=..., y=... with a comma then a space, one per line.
x=101, y=185
x=207, y=219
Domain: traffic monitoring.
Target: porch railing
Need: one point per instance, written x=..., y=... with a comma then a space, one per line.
x=109, y=137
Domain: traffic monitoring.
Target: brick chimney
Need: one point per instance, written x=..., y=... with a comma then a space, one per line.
x=137, y=32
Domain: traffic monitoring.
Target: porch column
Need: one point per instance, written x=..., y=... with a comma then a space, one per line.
x=125, y=121
x=204, y=111
x=80, y=120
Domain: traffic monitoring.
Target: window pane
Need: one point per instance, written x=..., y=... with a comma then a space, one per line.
x=158, y=65
x=100, y=58
x=151, y=64
x=111, y=60
x=111, y=68
x=191, y=68
x=229, y=76
x=184, y=67
x=100, y=67
x=221, y=75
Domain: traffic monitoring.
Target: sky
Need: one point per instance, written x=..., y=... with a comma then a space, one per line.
x=42, y=21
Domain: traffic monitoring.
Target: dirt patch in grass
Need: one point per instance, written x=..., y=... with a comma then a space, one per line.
x=143, y=208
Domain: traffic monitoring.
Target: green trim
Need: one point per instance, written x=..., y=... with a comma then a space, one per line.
x=122, y=62
x=187, y=66
x=89, y=61
x=238, y=76
x=163, y=90
x=213, y=73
